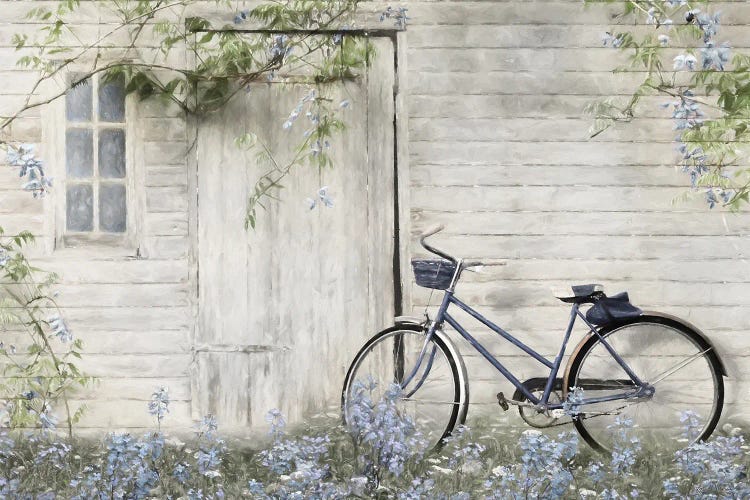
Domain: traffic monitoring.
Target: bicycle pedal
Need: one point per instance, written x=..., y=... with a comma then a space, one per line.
x=502, y=401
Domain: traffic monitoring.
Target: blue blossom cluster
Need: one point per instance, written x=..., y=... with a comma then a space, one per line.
x=302, y=469
x=614, y=41
x=136, y=468
x=317, y=467
x=23, y=157
x=543, y=472
x=325, y=199
x=308, y=98
x=626, y=447
x=59, y=328
x=387, y=438
x=713, y=57
x=691, y=425
x=687, y=113
x=127, y=470
x=45, y=417
x=572, y=404
x=241, y=16
x=712, y=469
x=280, y=47
x=398, y=15
x=301, y=466
x=159, y=405
x=211, y=448
x=312, y=101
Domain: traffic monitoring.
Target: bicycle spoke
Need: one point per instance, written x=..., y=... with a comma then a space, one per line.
x=678, y=366
x=658, y=353
x=431, y=401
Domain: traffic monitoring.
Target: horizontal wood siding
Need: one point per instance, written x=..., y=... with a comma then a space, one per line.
x=131, y=306
x=499, y=153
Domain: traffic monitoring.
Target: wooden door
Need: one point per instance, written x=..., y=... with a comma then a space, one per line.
x=283, y=309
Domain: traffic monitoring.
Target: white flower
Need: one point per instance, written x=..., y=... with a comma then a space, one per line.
x=442, y=470
x=324, y=197
x=472, y=467
x=499, y=471
x=685, y=62
x=663, y=40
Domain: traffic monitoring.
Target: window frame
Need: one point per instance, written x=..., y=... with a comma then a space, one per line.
x=56, y=140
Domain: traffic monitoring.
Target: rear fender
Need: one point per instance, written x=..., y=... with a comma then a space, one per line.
x=656, y=317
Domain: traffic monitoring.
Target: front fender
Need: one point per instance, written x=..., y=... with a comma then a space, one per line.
x=656, y=317
x=415, y=322
x=408, y=320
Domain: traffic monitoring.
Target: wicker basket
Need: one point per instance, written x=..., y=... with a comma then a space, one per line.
x=433, y=273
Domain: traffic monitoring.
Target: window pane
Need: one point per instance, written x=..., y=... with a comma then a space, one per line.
x=112, y=154
x=112, y=208
x=78, y=103
x=80, y=207
x=112, y=101
x=79, y=152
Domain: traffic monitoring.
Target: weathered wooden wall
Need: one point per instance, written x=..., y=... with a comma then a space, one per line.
x=498, y=152
x=132, y=306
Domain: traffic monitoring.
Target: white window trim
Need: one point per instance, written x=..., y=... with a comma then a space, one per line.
x=53, y=138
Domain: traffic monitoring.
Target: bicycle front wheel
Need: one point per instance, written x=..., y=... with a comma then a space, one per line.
x=436, y=398
x=682, y=367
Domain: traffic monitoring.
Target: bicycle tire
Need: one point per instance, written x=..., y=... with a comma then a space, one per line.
x=651, y=345
x=447, y=362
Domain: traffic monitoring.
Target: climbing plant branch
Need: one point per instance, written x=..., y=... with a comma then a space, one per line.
x=38, y=348
x=709, y=94
x=280, y=41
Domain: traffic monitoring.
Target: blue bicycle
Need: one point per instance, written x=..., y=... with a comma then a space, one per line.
x=646, y=366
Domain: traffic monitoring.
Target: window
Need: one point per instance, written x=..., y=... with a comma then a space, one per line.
x=96, y=172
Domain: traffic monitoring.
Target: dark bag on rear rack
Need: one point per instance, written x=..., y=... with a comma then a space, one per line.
x=610, y=309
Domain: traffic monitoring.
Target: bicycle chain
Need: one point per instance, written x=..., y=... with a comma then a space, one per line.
x=613, y=412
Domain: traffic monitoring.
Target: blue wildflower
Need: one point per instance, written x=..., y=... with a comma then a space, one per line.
x=59, y=328
x=159, y=404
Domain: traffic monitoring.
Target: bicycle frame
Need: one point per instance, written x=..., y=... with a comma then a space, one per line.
x=640, y=388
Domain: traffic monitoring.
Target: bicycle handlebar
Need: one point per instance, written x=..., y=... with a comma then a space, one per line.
x=429, y=232
x=432, y=230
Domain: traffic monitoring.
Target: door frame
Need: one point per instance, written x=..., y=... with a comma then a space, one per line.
x=401, y=201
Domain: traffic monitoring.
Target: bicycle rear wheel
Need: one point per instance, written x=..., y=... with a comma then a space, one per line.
x=683, y=368
x=436, y=398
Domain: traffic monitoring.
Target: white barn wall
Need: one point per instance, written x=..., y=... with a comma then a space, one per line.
x=498, y=153
x=132, y=307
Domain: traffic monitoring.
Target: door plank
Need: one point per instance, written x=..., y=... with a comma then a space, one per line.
x=283, y=308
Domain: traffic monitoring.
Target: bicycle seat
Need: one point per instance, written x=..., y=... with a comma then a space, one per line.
x=582, y=294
